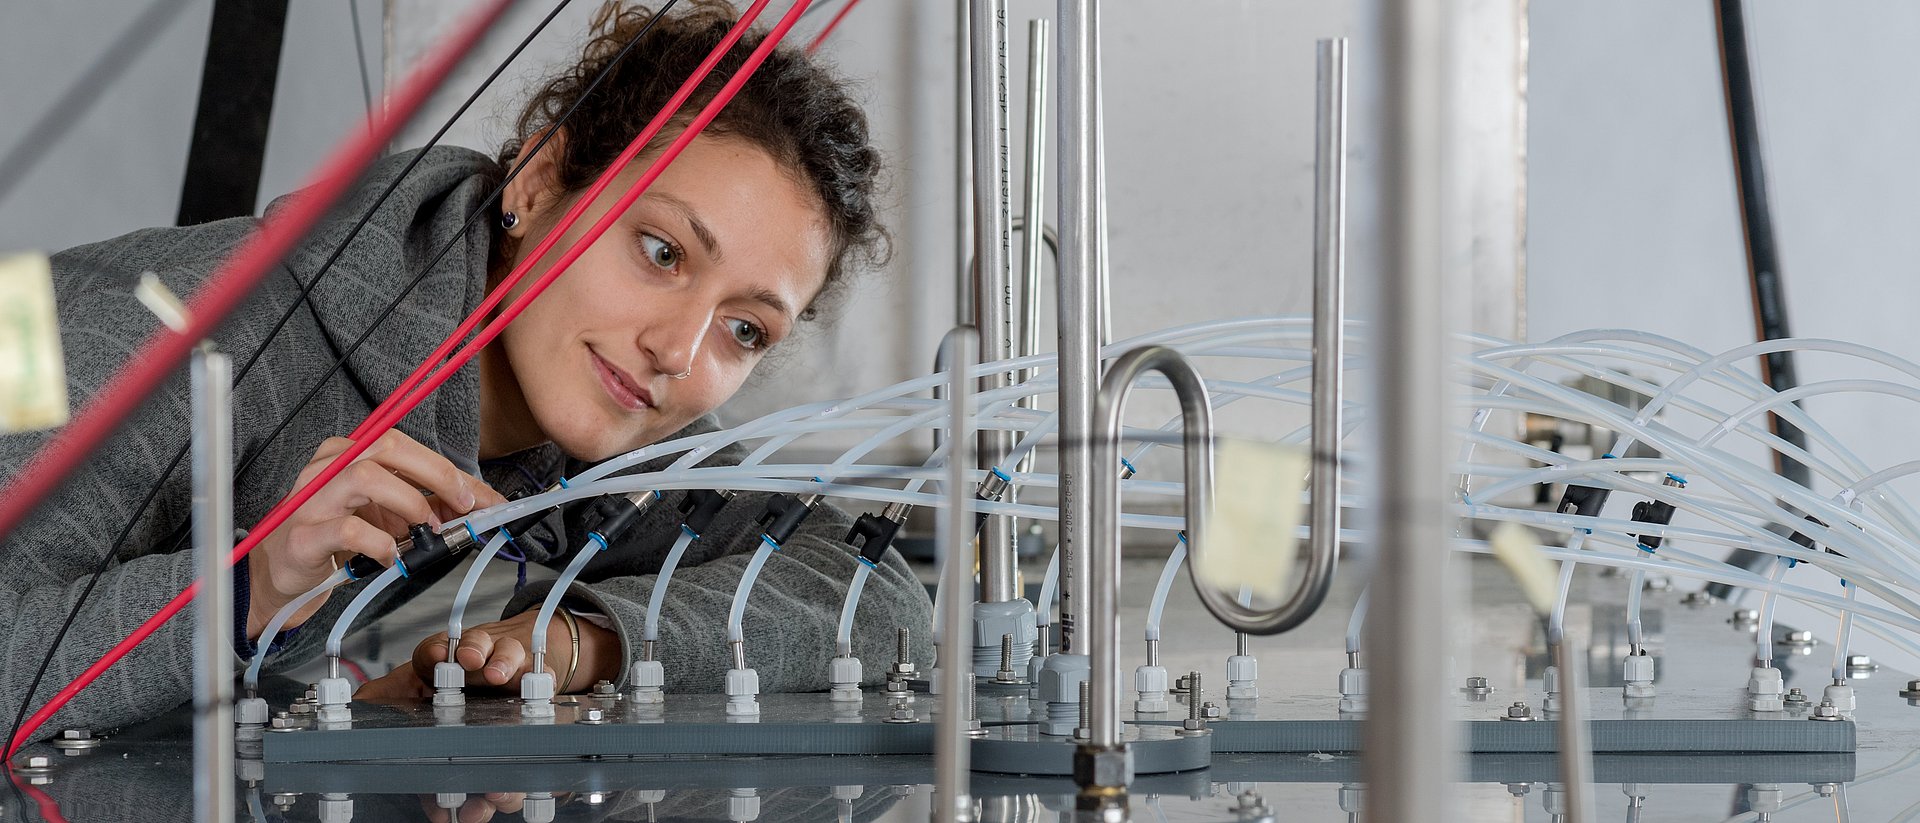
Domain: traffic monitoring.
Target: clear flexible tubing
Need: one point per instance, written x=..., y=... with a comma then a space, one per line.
x=1634, y=630
x=561, y=586
x=843, y=639
x=657, y=598
x=1763, y=640
x=1689, y=565
x=1160, y=589
x=1357, y=622
x=737, y=615
x=1710, y=462
x=1049, y=586
x=379, y=583
x=457, y=616
x=251, y=680
x=1557, y=622
x=1844, y=636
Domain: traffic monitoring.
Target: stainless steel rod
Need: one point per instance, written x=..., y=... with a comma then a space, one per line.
x=1329, y=325
x=1077, y=306
x=1103, y=616
x=1576, y=754
x=1033, y=197
x=951, y=763
x=212, y=387
x=962, y=164
x=1409, y=758
x=993, y=259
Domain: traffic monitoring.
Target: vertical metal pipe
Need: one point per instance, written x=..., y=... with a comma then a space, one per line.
x=1329, y=300
x=1033, y=228
x=962, y=165
x=951, y=763
x=993, y=258
x=1103, y=614
x=212, y=386
x=1575, y=756
x=1079, y=295
x=1409, y=757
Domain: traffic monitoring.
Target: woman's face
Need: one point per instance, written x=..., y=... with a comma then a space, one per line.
x=699, y=277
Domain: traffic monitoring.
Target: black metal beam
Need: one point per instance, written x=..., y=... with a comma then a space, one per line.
x=236, y=100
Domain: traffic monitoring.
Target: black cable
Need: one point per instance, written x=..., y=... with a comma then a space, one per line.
x=1763, y=252
x=45, y=133
x=106, y=560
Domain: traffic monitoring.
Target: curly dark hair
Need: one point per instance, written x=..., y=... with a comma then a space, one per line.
x=793, y=108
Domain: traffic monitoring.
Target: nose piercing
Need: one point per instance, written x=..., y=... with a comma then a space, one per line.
x=683, y=375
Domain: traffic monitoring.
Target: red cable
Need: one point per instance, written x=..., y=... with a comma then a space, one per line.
x=225, y=289
x=831, y=25
x=382, y=421
x=227, y=286
x=48, y=807
x=572, y=216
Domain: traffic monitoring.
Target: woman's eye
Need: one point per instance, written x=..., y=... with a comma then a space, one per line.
x=745, y=333
x=660, y=252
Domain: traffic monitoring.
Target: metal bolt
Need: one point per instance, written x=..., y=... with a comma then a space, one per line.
x=1518, y=711
x=1697, y=599
x=1861, y=662
x=1798, y=637
x=1084, y=731
x=34, y=763
x=1180, y=685
x=1825, y=711
x=1912, y=691
x=75, y=741
x=285, y=801
x=605, y=688
x=902, y=713
x=904, y=650
x=1742, y=617
x=1477, y=686
x=1209, y=711
x=1196, y=720
x=1796, y=696
x=593, y=717
x=1006, y=673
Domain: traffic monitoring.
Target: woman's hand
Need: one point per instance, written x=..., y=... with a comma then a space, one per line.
x=497, y=654
x=478, y=808
x=364, y=510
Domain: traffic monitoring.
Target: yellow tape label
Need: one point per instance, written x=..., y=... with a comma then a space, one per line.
x=1256, y=510
x=33, y=375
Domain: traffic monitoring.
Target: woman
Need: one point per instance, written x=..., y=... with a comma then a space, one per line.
x=740, y=241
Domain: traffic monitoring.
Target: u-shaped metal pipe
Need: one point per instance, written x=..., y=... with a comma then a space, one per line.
x=1103, y=617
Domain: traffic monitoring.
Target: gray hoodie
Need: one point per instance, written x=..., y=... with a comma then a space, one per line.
x=45, y=563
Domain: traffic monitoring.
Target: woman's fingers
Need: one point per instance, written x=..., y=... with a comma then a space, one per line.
x=346, y=533
x=429, y=470
x=497, y=661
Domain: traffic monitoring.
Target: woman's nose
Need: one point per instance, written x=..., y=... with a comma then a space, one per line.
x=674, y=341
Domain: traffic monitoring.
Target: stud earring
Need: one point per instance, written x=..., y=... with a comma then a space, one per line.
x=508, y=220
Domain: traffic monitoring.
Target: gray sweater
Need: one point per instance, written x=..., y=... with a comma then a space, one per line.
x=791, y=618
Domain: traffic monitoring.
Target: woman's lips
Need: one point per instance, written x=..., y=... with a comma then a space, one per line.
x=619, y=386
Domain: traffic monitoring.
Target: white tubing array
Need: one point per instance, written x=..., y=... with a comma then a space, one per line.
x=1733, y=500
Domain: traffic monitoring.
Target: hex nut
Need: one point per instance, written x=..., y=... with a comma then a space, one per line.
x=593, y=717
x=1102, y=767
x=1209, y=711
x=1478, y=687
x=1912, y=691
x=1825, y=711
x=1518, y=711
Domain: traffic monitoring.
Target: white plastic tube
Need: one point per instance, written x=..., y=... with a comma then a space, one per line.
x=1556, y=624
x=1358, y=621
x=1763, y=640
x=280, y=618
x=457, y=616
x=1843, y=637
x=379, y=583
x=736, y=617
x=1049, y=586
x=594, y=545
x=1634, y=630
x=658, y=597
x=1160, y=589
x=843, y=640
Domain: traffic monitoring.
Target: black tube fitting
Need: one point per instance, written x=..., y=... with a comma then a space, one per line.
x=1585, y=501
x=873, y=534
x=700, y=506
x=613, y=515
x=784, y=514
x=423, y=548
x=1658, y=512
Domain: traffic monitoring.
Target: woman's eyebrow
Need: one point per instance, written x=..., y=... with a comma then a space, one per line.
x=694, y=222
x=771, y=300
